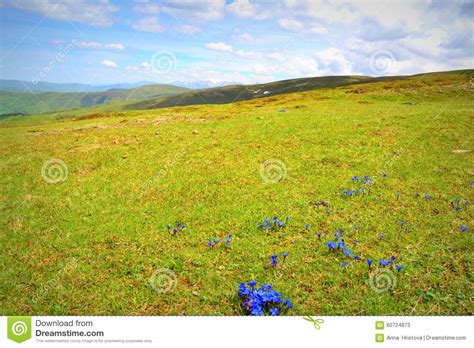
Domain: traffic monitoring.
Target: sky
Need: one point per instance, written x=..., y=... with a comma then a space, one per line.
x=105, y=41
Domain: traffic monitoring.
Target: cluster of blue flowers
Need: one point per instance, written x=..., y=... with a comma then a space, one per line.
x=178, y=226
x=457, y=204
x=214, y=242
x=273, y=259
x=273, y=224
x=262, y=300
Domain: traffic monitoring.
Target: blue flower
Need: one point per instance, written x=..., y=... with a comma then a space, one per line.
x=307, y=225
x=399, y=268
x=282, y=110
x=319, y=235
x=227, y=242
x=331, y=245
x=288, y=304
x=168, y=227
x=384, y=175
x=382, y=235
x=274, y=311
x=347, y=252
x=274, y=260
x=211, y=244
x=285, y=255
x=463, y=228
x=369, y=262
x=252, y=283
x=175, y=230
x=427, y=197
x=344, y=264
x=356, y=257
x=262, y=300
x=355, y=178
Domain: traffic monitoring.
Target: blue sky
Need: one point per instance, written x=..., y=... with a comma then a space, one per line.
x=105, y=41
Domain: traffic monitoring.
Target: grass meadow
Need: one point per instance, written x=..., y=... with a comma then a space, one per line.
x=89, y=244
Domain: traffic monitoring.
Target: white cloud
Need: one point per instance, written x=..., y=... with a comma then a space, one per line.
x=146, y=8
x=97, y=13
x=248, y=54
x=145, y=67
x=185, y=9
x=115, y=46
x=148, y=24
x=335, y=60
x=89, y=44
x=242, y=8
x=318, y=29
x=99, y=45
x=244, y=37
x=109, y=63
x=219, y=46
x=275, y=56
x=290, y=24
x=188, y=29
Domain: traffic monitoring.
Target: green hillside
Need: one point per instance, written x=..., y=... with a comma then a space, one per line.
x=229, y=94
x=33, y=103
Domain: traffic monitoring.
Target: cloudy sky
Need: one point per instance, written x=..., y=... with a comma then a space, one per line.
x=245, y=41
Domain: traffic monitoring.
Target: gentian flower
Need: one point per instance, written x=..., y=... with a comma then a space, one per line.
x=319, y=235
x=306, y=225
x=344, y=264
x=463, y=228
x=252, y=284
x=382, y=235
x=427, y=197
x=274, y=260
x=211, y=244
x=369, y=262
x=399, y=268
x=288, y=304
x=285, y=255
x=274, y=311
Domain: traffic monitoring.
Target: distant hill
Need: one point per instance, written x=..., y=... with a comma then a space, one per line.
x=33, y=103
x=28, y=86
x=229, y=94
x=203, y=84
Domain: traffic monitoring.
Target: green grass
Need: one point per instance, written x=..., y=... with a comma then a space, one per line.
x=90, y=244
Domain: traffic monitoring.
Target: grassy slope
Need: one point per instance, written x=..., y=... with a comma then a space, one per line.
x=229, y=94
x=130, y=175
x=29, y=103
